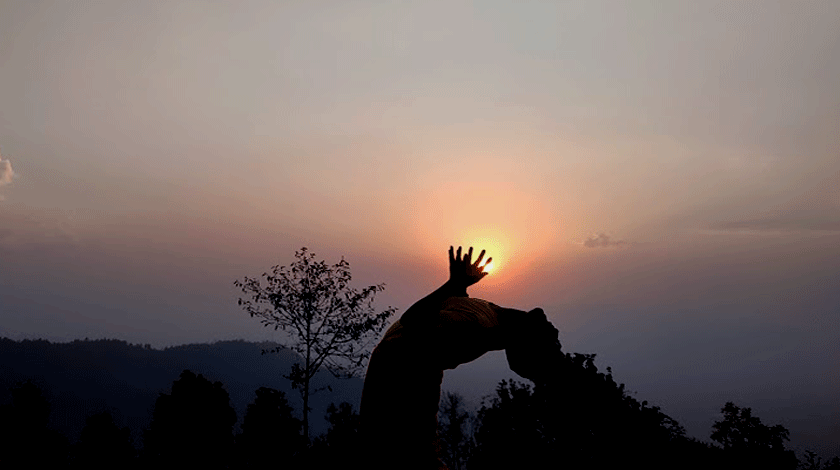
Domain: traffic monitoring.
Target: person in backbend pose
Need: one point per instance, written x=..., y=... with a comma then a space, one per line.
x=446, y=328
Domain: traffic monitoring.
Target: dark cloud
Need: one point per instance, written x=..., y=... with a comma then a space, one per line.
x=602, y=240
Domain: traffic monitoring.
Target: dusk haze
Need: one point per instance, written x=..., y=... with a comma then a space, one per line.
x=662, y=179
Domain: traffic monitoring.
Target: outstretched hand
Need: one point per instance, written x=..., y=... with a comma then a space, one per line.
x=462, y=271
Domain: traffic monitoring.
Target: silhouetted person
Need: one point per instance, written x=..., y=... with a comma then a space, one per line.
x=441, y=331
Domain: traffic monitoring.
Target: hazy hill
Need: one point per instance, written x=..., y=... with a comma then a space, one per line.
x=84, y=376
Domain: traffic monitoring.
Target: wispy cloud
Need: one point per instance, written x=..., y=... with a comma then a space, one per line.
x=602, y=240
x=27, y=228
x=816, y=222
x=816, y=209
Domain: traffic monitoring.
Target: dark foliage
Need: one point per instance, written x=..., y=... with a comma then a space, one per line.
x=340, y=446
x=812, y=462
x=579, y=419
x=104, y=445
x=25, y=437
x=747, y=441
x=572, y=419
x=833, y=464
x=270, y=432
x=344, y=425
x=192, y=427
x=85, y=377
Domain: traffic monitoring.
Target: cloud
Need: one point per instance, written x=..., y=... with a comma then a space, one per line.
x=816, y=209
x=6, y=173
x=602, y=240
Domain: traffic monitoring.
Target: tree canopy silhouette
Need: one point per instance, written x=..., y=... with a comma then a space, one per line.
x=104, y=445
x=192, y=427
x=330, y=324
x=25, y=437
x=748, y=441
x=269, y=429
x=340, y=446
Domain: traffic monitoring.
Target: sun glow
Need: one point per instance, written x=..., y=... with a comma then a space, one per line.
x=513, y=226
x=493, y=241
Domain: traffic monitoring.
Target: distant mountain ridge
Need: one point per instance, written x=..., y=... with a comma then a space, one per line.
x=87, y=376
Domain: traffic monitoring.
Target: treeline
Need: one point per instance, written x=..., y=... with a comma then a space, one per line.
x=192, y=426
x=83, y=377
x=584, y=419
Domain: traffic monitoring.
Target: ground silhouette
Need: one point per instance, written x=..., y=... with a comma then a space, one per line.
x=586, y=420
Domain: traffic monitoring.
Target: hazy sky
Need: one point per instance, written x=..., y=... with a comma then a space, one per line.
x=663, y=178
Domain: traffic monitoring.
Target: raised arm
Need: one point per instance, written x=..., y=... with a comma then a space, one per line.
x=463, y=272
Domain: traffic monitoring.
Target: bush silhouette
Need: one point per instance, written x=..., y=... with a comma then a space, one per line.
x=570, y=419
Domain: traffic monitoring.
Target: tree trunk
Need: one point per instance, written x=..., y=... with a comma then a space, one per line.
x=306, y=378
x=306, y=411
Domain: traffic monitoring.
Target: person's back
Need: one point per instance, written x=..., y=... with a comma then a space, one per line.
x=402, y=385
x=441, y=331
x=399, y=402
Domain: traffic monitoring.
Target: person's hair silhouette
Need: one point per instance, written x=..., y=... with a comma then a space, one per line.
x=440, y=331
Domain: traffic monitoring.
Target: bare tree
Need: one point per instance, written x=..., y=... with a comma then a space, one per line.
x=330, y=324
